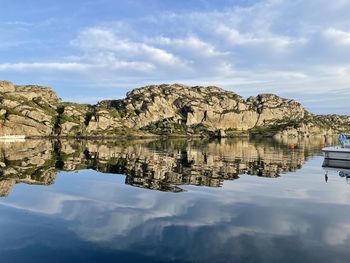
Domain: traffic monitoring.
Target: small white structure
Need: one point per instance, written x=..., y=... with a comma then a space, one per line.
x=12, y=138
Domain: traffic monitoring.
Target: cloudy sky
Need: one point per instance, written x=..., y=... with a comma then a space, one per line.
x=92, y=50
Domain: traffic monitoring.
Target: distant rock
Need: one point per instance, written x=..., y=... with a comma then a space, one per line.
x=167, y=109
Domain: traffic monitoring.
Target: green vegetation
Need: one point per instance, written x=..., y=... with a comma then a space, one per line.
x=235, y=110
x=276, y=126
x=88, y=117
x=9, y=112
x=119, y=132
x=62, y=118
x=46, y=107
x=166, y=127
x=236, y=133
x=36, y=104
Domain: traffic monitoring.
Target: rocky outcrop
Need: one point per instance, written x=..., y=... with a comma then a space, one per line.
x=181, y=110
x=211, y=107
x=160, y=110
x=6, y=86
x=32, y=92
x=19, y=115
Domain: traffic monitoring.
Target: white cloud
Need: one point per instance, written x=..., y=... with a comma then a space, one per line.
x=74, y=66
x=234, y=37
x=190, y=43
x=272, y=45
x=337, y=36
x=22, y=66
x=16, y=23
x=102, y=40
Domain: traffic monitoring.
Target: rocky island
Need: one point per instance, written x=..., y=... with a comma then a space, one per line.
x=156, y=110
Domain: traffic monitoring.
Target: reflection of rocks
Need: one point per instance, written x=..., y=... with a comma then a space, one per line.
x=161, y=165
x=29, y=162
x=209, y=164
x=6, y=186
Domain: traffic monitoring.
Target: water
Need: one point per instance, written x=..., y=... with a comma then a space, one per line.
x=171, y=200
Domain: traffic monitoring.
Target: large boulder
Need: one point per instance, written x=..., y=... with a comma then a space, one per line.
x=6, y=86
x=31, y=91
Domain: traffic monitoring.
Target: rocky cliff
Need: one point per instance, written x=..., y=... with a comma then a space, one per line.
x=160, y=110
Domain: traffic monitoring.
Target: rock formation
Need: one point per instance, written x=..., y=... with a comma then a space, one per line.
x=160, y=110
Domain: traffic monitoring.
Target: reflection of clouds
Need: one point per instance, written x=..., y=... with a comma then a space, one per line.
x=118, y=221
x=44, y=202
x=220, y=218
x=246, y=215
x=337, y=235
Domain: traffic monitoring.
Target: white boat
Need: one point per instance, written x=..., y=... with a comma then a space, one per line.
x=341, y=152
x=337, y=153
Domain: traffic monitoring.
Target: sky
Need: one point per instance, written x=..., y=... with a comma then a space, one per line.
x=93, y=50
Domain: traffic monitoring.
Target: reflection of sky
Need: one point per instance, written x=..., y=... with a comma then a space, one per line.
x=253, y=218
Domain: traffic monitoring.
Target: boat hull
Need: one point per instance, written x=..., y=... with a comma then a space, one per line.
x=337, y=153
x=336, y=165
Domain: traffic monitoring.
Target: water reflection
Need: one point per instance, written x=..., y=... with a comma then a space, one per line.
x=342, y=167
x=90, y=216
x=157, y=164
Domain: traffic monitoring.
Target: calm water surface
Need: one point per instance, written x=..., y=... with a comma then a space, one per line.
x=171, y=200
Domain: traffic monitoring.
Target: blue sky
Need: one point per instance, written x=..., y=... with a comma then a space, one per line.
x=93, y=50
